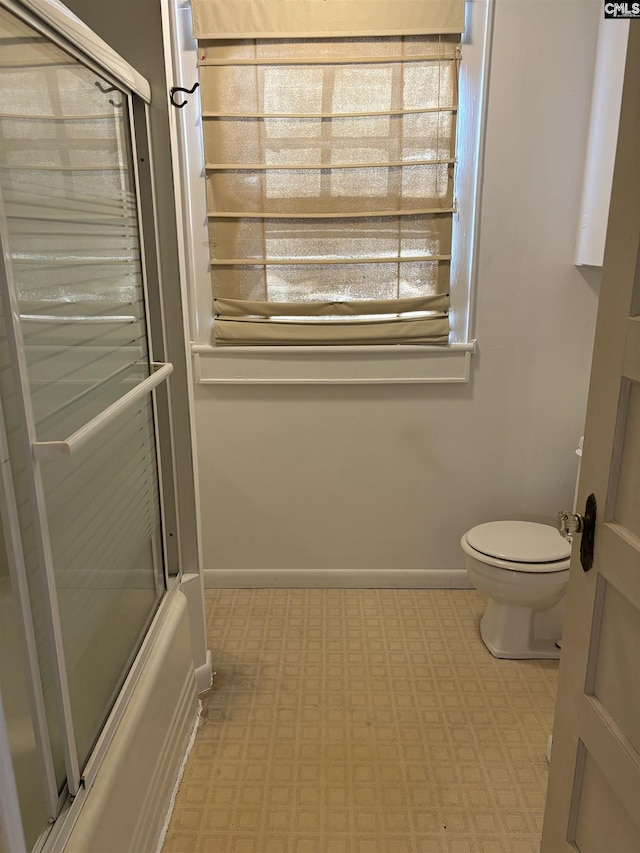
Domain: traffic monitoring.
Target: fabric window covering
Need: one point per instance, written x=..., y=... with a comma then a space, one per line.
x=229, y=19
x=329, y=170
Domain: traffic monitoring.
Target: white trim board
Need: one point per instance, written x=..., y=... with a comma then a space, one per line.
x=337, y=579
x=337, y=365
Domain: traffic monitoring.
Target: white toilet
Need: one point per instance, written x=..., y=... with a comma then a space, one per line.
x=523, y=569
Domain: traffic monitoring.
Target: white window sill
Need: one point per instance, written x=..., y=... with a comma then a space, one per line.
x=332, y=365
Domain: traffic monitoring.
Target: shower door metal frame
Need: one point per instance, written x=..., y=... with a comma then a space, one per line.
x=10, y=823
x=18, y=576
x=11, y=312
x=147, y=213
x=52, y=23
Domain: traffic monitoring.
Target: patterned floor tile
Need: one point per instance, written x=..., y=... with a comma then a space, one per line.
x=363, y=721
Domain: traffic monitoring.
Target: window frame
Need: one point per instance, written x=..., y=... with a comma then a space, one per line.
x=331, y=364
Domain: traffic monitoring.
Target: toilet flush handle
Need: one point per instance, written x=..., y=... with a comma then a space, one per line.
x=571, y=522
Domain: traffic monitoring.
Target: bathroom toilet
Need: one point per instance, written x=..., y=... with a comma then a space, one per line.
x=523, y=569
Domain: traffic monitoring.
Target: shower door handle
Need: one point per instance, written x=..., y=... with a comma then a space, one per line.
x=55, y=449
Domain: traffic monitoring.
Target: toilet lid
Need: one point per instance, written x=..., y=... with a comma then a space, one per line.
x=519, y=541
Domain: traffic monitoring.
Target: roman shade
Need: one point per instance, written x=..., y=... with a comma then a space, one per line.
x=329, y=138
x=229, y=19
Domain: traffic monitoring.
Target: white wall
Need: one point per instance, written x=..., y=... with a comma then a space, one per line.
x=376, y=484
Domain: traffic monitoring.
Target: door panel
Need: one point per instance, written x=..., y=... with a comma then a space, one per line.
x=615, y=657
x=626, y=505
x=14, y=688
x=602, y=823
x=104, y=527
x=20, y=475
x=68, y=188
x=593, y=799
x=75, y=294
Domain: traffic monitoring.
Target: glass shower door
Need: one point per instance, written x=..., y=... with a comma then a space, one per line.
x=75, y=290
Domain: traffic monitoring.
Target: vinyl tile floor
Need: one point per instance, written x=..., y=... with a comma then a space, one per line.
x=363, y=721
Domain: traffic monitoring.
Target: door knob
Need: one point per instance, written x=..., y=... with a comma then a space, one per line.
x=571, y=522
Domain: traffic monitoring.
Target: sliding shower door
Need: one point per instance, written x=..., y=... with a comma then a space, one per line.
x=80, y=399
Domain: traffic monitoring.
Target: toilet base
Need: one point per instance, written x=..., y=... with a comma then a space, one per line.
x=508, y=631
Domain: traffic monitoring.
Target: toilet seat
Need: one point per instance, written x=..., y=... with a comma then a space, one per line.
x=522, y=546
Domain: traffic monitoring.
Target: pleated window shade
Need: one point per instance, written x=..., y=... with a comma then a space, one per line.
x=330, y=173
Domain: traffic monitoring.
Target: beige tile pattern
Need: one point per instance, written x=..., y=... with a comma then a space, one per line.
x=367, y=721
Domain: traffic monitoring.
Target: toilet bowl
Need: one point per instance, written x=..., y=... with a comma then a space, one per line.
x=523, y=569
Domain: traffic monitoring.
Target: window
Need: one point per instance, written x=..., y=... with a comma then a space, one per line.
x=330, y=157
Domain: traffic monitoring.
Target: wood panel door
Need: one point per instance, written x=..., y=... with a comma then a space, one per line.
x=593, y=800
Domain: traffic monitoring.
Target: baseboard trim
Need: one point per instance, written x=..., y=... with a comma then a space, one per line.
x=337, y=579
x=204, y=674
